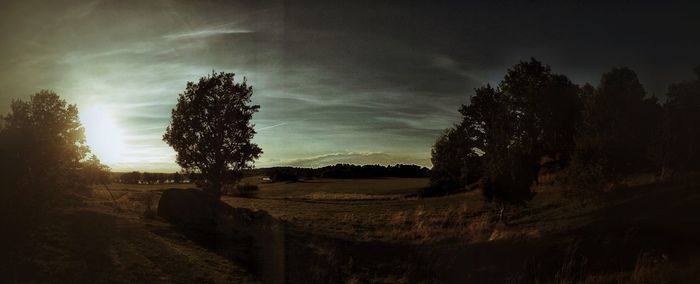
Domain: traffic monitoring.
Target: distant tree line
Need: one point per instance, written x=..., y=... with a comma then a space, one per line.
x=594, y=137
x=340, y=171
x=151, y=178
x=346, y=171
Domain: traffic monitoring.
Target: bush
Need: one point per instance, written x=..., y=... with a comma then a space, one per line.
x=584, y=179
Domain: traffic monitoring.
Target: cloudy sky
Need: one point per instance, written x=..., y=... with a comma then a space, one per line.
x=337, y=81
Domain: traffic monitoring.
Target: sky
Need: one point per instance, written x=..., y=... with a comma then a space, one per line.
x=364, y=82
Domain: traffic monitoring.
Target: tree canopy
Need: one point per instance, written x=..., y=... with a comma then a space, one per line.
x=211, y=132
x=42, y=143
x=677, y=135
x=530, y=114
x=616, y=130
x=537, y=120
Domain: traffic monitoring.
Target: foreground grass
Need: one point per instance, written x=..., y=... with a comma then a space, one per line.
x=93, y=243
x=645, y=233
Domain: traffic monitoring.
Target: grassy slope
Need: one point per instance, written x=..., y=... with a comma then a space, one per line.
x=93, y=243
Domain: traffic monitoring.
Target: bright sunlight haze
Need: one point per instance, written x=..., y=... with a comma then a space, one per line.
x=103, y=134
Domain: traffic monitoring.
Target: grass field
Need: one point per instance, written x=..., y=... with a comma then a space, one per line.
x=360, y=209
x=376, y=232
x=379, y=188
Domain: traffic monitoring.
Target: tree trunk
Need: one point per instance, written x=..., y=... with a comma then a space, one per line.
x=213, y=184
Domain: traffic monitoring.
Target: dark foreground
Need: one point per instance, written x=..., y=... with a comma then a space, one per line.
x=642, y=234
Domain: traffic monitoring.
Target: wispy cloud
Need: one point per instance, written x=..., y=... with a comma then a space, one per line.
x=206, y=32
x=448, y=64
x=271, y=126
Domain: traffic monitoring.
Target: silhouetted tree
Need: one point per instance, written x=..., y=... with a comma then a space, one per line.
x=545, y=107
x=531, y=114
x=455, y=162
x=675, y=143
x=506, y=181
x=616, y=130
x=42, y=145
x=211, y=131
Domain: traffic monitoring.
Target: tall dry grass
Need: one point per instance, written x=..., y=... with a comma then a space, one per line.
x=458, y=222
x=649, y=268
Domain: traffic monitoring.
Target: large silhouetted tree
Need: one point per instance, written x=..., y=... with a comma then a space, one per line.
x=545, y=107
x=529, y=115
x=211, y=130
x=43, y=145
x=508, y=172
x=614, y=137
x=675, y=143
x=42, y=148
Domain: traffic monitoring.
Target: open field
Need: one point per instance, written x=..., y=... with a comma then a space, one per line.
x=373, y=209
x=378, y=188
x=645, y=233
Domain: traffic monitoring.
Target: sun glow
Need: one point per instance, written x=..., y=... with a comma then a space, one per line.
x=103, y=134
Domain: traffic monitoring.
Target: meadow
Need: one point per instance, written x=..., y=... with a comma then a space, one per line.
x=383, y=209
x=344, y=221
